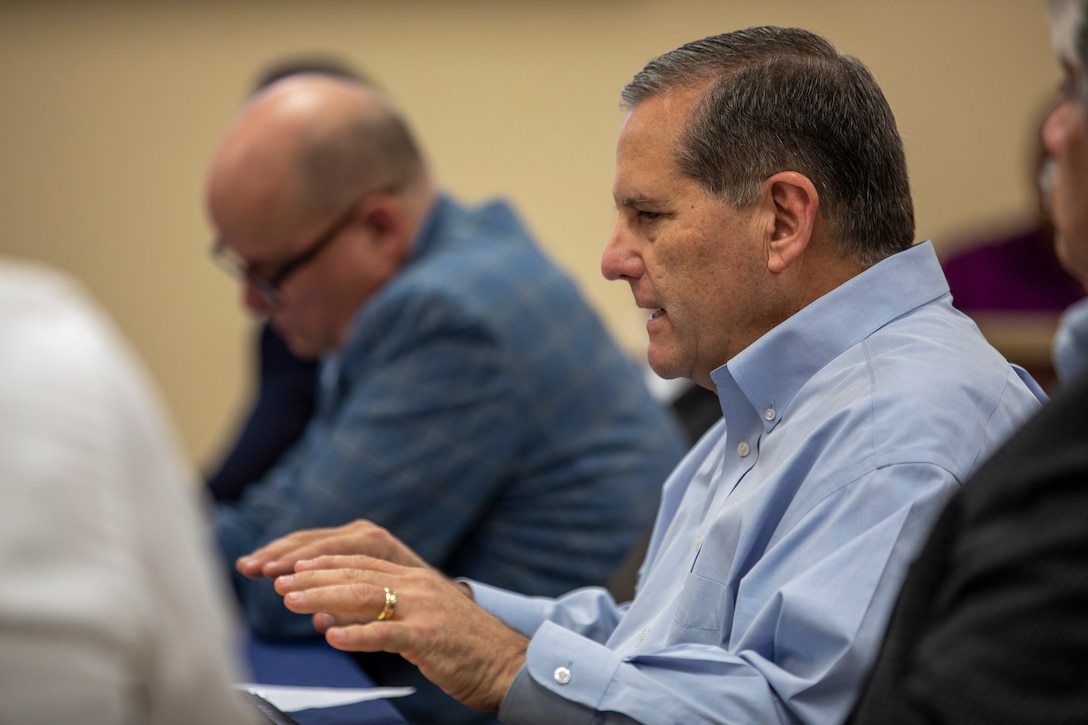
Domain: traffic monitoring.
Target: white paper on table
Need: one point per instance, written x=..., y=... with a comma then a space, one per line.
x=291, y=698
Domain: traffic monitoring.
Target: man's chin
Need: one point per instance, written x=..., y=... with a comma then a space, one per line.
x=300, y=347
x=664, y=366
x=1069, y=246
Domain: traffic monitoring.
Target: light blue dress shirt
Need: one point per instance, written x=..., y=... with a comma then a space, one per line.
x=782, y=538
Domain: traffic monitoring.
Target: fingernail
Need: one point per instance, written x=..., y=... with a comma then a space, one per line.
x=304, y=564
x=295, y=597
x=285, y=580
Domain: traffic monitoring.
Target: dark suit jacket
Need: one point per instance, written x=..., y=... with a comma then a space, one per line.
x=991, y=626
x=284, y=404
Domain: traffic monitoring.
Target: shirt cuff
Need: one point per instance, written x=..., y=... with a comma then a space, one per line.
x=564, y=679
x=517, y=611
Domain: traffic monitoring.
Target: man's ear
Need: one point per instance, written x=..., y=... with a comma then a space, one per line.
x=390, y=233
x=792, y=200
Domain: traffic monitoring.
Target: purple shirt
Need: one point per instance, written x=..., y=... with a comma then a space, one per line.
x=1017, y=273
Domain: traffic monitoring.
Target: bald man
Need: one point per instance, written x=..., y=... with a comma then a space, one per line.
x=471, y=402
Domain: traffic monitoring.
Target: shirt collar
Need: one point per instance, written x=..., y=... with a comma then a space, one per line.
x=770, y=371
x=428, y=231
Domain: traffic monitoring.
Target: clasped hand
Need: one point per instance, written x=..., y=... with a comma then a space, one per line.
x=340, y=576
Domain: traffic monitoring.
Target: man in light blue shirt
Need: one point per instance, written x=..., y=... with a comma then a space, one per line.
x=765, y=223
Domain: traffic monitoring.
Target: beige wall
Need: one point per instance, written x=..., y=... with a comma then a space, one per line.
x=111, y=109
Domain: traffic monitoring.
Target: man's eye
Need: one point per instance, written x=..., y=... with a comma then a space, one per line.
x=647, y=216
x=1067, y=87
x=1072, y=82
x=259, y=271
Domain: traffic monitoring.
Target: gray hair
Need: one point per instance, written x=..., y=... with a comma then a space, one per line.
x=1069, y=32
x=784, y=99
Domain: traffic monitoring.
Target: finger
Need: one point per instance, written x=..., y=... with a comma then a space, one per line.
x=250, y=566
x=359, y=539
x=355, y=601
x=279, y=556
x=256, y=568
x=359, y=562
x=271, y=559
x=333, y=571
x=288, y=561
x=323, y=621
x=369, y=637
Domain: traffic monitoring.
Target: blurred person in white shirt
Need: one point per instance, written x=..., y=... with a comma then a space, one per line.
x=109, y=611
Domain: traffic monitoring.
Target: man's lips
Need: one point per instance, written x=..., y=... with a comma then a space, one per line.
x=651, y=306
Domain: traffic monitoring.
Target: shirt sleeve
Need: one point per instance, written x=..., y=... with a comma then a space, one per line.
x=790, y=643
x=591, y=612
x=990, y=628
x=418, y=444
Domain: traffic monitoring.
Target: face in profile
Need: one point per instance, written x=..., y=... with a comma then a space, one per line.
x=694, y=263
x=1066, y=138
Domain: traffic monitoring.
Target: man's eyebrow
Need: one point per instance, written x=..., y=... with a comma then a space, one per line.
x=634, y=200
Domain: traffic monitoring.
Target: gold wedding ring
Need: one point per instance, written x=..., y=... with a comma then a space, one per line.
x=390, y=604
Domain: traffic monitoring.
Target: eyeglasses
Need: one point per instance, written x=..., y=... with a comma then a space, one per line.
x=268, y=285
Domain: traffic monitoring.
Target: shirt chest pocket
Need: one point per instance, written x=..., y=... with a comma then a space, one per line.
x=704, y=612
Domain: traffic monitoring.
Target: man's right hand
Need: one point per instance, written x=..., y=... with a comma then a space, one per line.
x=368, y=605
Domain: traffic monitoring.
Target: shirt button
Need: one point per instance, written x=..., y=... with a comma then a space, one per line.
x=562, y=675
x=743, y=449
x=643, y=633
x=769, y=414
x=698, y=541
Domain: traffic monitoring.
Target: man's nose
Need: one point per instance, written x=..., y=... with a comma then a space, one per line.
x=619, y=260
x=1052, y=127
x=253, y=301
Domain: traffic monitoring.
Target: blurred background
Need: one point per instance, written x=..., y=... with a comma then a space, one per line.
x=111, y=110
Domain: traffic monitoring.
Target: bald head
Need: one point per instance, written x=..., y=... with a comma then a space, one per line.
x=309, y=144
x=317, y=192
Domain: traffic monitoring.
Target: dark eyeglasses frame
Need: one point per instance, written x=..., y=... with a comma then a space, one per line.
x=268, y=287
